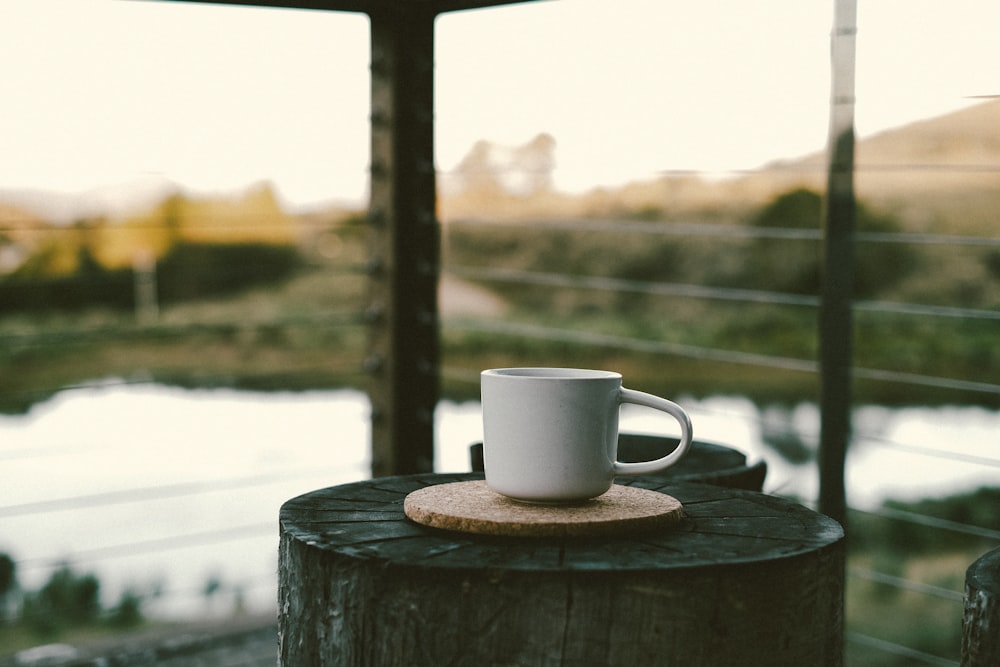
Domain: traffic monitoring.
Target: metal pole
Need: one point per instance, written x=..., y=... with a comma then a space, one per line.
x=404, y=239
x=835, y=325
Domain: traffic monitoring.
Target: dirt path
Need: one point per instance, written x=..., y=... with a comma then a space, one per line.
x=457, y=297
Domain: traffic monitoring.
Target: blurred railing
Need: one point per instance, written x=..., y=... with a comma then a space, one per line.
x=37, y=340
x=499, y=278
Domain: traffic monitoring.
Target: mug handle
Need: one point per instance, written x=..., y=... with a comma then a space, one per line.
x=675, y=411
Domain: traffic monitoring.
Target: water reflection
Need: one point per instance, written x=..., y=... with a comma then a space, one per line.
x=164, y=489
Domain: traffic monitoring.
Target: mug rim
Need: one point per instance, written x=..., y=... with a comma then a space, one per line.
x=551, y=373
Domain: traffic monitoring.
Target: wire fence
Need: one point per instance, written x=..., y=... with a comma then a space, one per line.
x=501, y=279
x=503, y=276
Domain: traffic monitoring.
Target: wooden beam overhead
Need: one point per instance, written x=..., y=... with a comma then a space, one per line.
x=370, y=7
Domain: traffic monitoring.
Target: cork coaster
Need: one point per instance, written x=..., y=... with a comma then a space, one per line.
x=472, y=507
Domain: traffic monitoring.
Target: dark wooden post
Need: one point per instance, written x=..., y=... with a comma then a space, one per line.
x=835, y=325
x=981, y=620
x=403, y=243
x=404, y=236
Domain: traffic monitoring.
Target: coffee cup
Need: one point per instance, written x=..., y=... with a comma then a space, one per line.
x=550, y=435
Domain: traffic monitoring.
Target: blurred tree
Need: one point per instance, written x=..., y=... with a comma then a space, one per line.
x=67, y=599
x=128, y=612
x=8, y=574
x=793, y=265
x=8, y=583
x=195, y=270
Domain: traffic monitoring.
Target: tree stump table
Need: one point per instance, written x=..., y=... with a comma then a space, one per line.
x=742, y=579
x=981, y=618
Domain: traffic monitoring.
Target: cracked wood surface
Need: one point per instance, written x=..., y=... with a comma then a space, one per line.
x=745, y=578
x=981, y=615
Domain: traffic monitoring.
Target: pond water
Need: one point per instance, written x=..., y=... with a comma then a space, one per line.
x=164, y=490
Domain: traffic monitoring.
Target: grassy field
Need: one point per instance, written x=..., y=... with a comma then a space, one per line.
x=303, y=334
x=307, y=332
x=278, y=339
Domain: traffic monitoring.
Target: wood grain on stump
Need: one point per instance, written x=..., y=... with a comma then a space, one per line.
x=743, y=579
x=981, y=619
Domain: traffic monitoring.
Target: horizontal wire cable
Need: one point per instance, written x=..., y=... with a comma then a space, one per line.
x=715, y=230
x=969, y=168
x=523, y=277
x=117, y=382
x=927, y=310
x=154, y=545
x=152, y=597
x=354, y=368
x=53, y=337
x=221, y=221
x=774, y=167
x=101, y=279
x=934, y=381
x=906, y=584
x=916, y=238
x=615, y=225
x=931, y=522
x=540, y=332
x=244, y=583
x=147, y=493
x=898, y=649
x=466, y=375
x=822, y=168
x=950, y=455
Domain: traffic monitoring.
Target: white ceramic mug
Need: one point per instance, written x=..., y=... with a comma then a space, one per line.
x=550, y=435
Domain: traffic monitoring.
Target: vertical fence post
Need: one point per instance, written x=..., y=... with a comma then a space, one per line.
x=835, y=320
x=147, y=307
x=403, y=348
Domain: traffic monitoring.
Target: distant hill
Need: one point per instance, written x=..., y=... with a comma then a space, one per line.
x=941, y=174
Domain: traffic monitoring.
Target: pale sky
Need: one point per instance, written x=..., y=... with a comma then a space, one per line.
x=102, y=92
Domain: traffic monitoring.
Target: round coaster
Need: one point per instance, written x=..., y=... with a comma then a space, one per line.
x=473, y=507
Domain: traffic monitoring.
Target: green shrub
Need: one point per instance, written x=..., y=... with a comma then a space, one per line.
x=66, y=600
x=795, y=265
x=128, y=612
x=193, y=270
